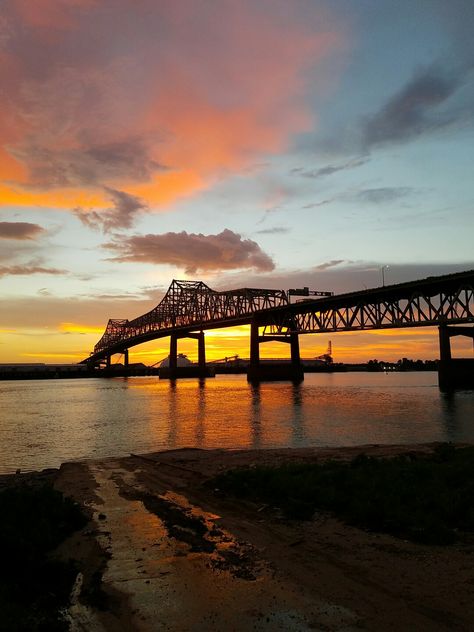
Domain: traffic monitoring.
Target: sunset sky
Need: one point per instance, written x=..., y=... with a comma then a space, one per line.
x=245, y=143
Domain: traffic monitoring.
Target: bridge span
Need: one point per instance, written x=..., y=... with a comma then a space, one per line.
x=191, y=307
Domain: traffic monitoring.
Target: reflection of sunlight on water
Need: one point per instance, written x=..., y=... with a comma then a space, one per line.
x=298, y=435
x=200, y=428
x=255, y=415
x=47, y=422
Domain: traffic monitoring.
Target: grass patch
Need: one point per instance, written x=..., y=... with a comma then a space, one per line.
x=425, y=499
x=34, y=587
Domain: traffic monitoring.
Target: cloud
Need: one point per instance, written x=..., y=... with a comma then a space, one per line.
x=20, y=230
x=86, y=165
x=330, y=169
x=121, y=215
x=330, y=264
x=124, y=296
x=382, y=195
x=13, y=251
x=318, y=204
x=276, y=230
x=79, y=328
x=170, y=98
x=416, y=109
x=193, y=252
x=27, y=269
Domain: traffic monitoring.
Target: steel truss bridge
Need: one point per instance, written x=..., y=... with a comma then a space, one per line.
x=433, y=301
x=191, y=307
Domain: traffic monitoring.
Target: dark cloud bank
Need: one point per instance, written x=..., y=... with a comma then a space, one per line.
x=417, y=108
x=437, y=98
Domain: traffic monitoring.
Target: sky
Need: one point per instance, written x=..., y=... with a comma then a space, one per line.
x=244, y=143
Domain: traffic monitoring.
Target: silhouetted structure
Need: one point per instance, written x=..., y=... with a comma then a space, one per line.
x=454, y=372
x=190, y=307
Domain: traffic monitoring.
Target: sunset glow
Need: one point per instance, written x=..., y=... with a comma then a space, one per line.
x=254, y=144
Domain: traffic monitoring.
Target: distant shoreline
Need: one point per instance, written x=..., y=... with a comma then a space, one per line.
x=52, y=372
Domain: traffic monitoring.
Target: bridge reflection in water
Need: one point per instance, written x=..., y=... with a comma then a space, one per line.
x=189, y=308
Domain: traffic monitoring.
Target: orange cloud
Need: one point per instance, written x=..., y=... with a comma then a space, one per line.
x=75, y=328
x=173, y=96
x=58, y=357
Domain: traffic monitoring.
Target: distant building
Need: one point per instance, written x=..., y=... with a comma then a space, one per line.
x=183, y=360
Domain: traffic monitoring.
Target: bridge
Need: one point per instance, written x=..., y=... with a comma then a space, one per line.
x=191, y=307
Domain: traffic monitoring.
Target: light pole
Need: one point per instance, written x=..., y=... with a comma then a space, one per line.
x=383, y=274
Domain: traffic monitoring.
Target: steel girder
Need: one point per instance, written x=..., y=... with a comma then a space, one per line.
x=191, y=303
x=381, y=310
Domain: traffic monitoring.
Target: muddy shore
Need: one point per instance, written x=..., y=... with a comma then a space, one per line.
x=163, y=551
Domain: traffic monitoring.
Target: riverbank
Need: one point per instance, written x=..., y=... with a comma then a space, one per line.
x=38, y=371
x=35, y=585
x=164, y=550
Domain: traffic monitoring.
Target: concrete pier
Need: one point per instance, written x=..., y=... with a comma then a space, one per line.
x=258, y=372
x=454, y=373
x=173, y=371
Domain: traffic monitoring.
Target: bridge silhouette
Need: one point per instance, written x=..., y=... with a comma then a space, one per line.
x=189, y=308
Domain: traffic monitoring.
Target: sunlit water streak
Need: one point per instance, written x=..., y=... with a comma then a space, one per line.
x=43, y=423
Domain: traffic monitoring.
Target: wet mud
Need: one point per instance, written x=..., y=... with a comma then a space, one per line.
x=197, y=529
x=174, y=554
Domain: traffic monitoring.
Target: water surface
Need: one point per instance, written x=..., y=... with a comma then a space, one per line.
x=46, y=422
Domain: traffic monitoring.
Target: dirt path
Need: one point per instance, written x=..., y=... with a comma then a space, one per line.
x=181, y=557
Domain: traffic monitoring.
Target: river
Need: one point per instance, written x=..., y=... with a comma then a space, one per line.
x=46, y=422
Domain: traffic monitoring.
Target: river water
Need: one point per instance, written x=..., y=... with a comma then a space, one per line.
x=46, y=422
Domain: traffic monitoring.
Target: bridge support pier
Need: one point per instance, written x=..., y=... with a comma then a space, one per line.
x=125, y=358
x=201, y=351
x=454, y=372
x=173, y=359
x=108, y=362
x=258, y=372
x=173, y=371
